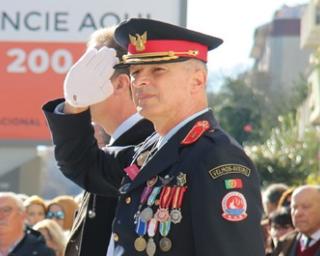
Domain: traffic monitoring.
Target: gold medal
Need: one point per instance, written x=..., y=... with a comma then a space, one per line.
x=142, y=158
x=140, y=244
x=165, y=244
x=181, y=179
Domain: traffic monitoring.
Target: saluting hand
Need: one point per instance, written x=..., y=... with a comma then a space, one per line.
x=88, y=81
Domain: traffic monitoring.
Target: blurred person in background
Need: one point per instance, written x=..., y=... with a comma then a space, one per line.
x=35, y=209
x=62, y=209
x=117, y=117
x=100, y=135
x=15, y=239
x=53, y=235
x=271, y=197
x=285, y=199
x=280, y=224
x=305, y=213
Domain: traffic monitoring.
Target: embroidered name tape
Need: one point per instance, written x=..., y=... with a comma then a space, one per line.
x=228, y=169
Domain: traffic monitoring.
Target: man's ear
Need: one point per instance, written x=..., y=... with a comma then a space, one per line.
x=121, y=83
x=199, y=79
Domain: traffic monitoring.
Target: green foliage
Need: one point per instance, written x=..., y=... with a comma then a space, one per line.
x=236, y=106
x=240, y=103
x=285, y=158
x=273, y=143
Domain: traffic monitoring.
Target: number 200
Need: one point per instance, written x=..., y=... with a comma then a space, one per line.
x=39, y=61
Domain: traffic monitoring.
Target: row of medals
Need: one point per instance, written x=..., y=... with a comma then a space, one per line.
x=147, y=221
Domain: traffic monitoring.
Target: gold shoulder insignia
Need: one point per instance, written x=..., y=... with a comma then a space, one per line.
x=228, y=169
x=139, y=41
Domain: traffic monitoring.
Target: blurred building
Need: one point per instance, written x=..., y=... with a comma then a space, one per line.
x=310, y=39
x=279, y=61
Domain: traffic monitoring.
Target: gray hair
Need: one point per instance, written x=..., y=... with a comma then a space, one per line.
x=15, y=198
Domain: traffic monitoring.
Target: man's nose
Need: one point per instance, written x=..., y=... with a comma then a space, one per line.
x=141, y=80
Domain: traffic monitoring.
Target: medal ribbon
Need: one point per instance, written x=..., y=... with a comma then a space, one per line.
x=145, y=194
x=165, y=197
x=181, y=195
x=164, y=228
x=152, y=227
x=153, y=196
x=141, y=227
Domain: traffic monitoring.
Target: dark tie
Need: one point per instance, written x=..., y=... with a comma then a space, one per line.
x=308, y=241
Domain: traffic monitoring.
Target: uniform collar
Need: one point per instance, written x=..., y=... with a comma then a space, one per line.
x=163, y=140
x=125, y=126
x=167, y=155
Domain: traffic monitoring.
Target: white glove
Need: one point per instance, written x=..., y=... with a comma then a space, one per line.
x=88, y=80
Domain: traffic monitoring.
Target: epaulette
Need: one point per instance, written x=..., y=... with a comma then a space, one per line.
x=196, y=132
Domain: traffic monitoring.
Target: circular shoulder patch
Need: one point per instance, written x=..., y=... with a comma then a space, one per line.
x=234, y=206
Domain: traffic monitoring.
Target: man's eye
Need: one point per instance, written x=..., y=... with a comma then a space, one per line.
x=159, y=69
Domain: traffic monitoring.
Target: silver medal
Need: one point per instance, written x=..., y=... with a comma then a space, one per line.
x=151, y=247
x=175, y=216
x=146, y=214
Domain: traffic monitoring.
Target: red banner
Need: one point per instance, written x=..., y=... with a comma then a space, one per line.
x=31, y=73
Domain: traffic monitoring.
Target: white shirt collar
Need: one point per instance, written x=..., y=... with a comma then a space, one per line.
x=315, y=237
x=163, y=140
x=125, y=126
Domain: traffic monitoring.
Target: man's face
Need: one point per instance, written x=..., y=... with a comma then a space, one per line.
x=161, y=90
x=11, y=217
x=305, y=211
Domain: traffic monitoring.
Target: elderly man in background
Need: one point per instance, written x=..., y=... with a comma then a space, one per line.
x=15, y=239
x=305, y=212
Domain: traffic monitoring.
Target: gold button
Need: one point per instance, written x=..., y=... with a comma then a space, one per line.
x=115, y=237
x=128, y=200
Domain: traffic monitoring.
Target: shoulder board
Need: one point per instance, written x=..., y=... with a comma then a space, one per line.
x=196, y=132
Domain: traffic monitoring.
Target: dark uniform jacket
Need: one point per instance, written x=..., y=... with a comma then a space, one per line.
x=287, y=246
x=91, y=229
x=221, y=207
x=32, y=244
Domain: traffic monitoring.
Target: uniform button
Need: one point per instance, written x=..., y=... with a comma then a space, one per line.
x=115, y=237
x=128, y=200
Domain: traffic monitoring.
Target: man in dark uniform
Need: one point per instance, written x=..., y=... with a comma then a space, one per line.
x=118, y=117
x=188, y=190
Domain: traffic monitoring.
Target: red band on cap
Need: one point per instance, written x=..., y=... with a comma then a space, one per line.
x=172, y=45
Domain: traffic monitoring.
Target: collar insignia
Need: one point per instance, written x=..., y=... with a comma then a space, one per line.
x=196, y=131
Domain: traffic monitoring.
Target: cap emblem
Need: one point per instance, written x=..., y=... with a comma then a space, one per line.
x=139, y=41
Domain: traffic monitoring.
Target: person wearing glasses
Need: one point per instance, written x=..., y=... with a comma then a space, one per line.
x=62, y=209
x=15, y=238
